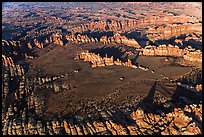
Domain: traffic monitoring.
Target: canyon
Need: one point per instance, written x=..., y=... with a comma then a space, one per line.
x=102, y=68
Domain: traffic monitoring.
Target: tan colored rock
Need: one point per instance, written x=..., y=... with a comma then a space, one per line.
x=7, y=61
x=56, y=88
x=180, y=120
x=93, y=40
x=117, y=62
x=132, y=130
x=139, y=114
x=143, y=124
x=163, y=50
x=4, y=60
x=96, y=40
x=165, y=132
x=193, y=129
x=128, y=63
x=172, y=130
x=29, y=45
x=86, y=131
x=199, y=87
x=99, y=126
x=108, y=61
x=46, y=41
x=110, y=128
x=91, y=129
x=187, y=109
x=157, y=118
x=28, y=57
x=169, y=117
x=78, y=129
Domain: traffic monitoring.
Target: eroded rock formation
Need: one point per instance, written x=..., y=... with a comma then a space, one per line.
x=23, y=110
x=7, y=61
x=130, y=24
x=168, y=31
x=188, y=53
x=98, y=61
x=117, y=38
x=81, y=39
x=163, y=50
x=28, y=119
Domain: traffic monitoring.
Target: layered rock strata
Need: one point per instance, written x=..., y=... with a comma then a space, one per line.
x=80, y=39
x=7, y=61
x=117, y=38
x=175, y=29
x=98, y=61
x=188, y=53
x=130, y=24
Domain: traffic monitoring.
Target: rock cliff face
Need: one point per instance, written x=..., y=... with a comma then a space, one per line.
x=7, y=61
x=163, y=50
x=10, y=73
x=130, y=24
x=199, y=87
x=101, y=25
x=117, y=38
x=98, y=61
x=13, y=51
x=175, y=29
x=56, y=38
x=193, y=56
x=81, y=39
x=12, y=48
x=39, y=45
x=188, y=53
x=163, y=32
